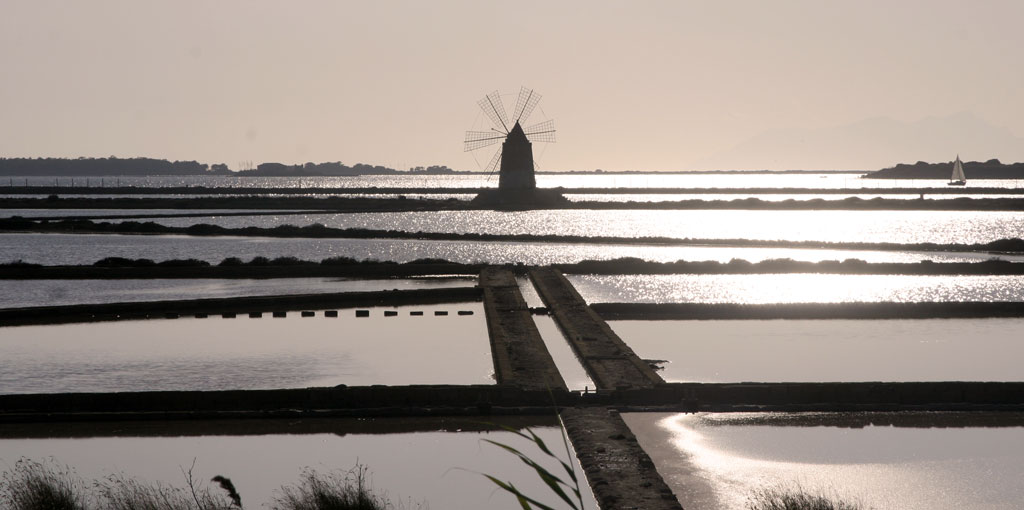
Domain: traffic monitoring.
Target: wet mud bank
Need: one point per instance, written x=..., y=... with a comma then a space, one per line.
x=879, y=310
x=485, y=400
x=234, y=305
x=340, y=401
x=297, y=425
x=293, y=268
x=830, y=397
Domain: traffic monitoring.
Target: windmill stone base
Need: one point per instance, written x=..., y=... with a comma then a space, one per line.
x=536, y=198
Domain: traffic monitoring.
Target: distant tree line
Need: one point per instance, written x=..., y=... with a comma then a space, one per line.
x=991, y=169
x=335, y=169
x=105, y=166
x=150, y=166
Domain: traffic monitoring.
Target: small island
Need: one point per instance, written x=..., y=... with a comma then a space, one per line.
x=991, y=169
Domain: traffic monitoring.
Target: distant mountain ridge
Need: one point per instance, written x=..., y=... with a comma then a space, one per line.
x=991, y=169
x=869, y=144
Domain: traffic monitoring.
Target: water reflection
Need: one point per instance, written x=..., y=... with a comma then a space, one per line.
x=70, y=292
x=795, y=288
x=244, y=353
x=830, y=226
x=850, y=180
x=881, y=466
x=830, y=350
x=774, y=197
x=437, y=469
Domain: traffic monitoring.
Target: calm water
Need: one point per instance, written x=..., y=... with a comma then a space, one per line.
x=675, y=197
x=830, y=350
x=70, y=249
x=795, y=288
x=44, y=213
x=718, y=461
x=245, y=353
x=18, y=293
x=832, y=226
x=417, y=470
x=641, y=180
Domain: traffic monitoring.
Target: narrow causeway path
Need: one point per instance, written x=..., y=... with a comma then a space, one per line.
x=608, y=360
x=520, y=356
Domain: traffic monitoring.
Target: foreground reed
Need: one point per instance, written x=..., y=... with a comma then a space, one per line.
x=33, y=485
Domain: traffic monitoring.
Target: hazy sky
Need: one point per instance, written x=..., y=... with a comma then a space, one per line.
x=631, y=85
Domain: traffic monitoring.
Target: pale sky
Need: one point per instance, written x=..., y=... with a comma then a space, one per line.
x=631, y=85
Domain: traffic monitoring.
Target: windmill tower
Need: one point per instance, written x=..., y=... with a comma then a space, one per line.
x=514, y=158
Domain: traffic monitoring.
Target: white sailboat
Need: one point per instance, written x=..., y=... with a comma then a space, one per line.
x=958, y=178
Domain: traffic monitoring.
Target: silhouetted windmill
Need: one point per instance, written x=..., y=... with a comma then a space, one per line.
x=516, y=152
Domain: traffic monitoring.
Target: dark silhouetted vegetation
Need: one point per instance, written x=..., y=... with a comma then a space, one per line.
x=797, y=499
x=991, y=169
x=102, y=166
x=335, y=491
x=32, y=485
x=150, y=166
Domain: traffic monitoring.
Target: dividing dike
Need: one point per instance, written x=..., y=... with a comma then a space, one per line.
x=520, y=356
x=619, y=471
x=609, y=361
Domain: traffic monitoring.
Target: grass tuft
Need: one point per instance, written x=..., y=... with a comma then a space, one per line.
x=334, y=491
x=35, y=485
x=777, y=498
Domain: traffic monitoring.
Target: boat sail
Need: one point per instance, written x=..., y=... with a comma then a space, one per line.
x=958, y=178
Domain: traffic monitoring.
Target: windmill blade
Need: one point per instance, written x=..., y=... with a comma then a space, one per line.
x=480, y=139
x=494, y=109
x=541, y=132
x=493, y=165
x=527, y=101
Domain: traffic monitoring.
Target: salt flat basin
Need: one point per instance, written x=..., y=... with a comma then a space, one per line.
x=40, y=213
x=774, y=197
x=883, y=226
x=70, y=292
x=830, y=350
x=795, y=288
x=717, y=461
x=71, y=249
x=248, y=353
x=431, y=468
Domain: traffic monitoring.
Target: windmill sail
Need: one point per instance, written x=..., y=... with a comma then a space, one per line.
x=958, y=171
x=527, y=101
x=541, y=132
x=495, y=110
x=514, y=157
